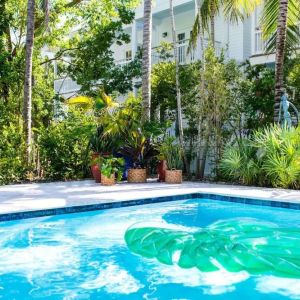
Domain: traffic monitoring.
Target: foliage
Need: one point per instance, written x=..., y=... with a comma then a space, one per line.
x=138, y=147
x=63, y=147
x=270, y=157
x=257, y=91
x=271, y=11
x=110, y=166
x=100, y=142
x=171, y=151
x=92, y=55
x=239, y=163
x=12, y=149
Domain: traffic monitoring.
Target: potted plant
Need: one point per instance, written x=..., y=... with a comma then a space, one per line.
x=101, y=145
x=172, y=153
x=140, y=149
x=111, y=169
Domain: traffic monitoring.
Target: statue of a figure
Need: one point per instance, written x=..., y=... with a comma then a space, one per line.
x=284, y=108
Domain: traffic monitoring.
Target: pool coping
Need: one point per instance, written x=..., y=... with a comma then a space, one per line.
x=126, y=203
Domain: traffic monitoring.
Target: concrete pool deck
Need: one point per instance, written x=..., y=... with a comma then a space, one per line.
x=41, y=196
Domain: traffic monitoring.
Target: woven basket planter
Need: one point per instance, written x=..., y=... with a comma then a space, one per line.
x=108, y=181
x=174, y=176
x=137, y=176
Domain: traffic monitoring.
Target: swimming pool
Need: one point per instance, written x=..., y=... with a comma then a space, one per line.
x=85, y=255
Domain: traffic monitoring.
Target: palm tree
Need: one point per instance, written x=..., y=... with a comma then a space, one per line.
x=178, y=92
x=281, y=31
x=146, y=61
x=233, y=10
x=28, y=77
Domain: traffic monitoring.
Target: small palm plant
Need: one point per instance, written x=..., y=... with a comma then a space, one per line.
x=270, y=157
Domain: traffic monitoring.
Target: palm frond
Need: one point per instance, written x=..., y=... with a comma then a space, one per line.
x=236, y=10
x=269, y=23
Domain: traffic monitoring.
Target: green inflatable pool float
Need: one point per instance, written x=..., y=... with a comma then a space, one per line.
x=234, y=245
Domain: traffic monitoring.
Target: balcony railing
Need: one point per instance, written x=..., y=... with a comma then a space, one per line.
x=259, y=43
x=65, y=86
x=183, y=56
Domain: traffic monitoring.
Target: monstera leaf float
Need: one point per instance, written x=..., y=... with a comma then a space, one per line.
x=234, y=245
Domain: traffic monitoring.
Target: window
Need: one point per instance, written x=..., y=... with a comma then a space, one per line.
x=128, y=55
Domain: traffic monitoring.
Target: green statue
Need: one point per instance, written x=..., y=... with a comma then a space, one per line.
x=284, y=109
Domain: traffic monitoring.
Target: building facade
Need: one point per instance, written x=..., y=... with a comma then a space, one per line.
x=239, y=41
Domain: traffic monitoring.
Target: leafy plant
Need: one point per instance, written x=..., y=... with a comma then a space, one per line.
x=111, y=166
x=271, y=156
x=171, y=152
x=63, y=147
x=138, y=147
x=102, y=143
x=240, y=164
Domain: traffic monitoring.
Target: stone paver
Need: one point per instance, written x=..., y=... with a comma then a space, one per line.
x=38, y=196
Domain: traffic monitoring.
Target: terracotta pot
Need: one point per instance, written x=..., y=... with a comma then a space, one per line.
x=95, y=168
x=108, y=181
x=174, y=176
x=161, y=170
x=137, y=176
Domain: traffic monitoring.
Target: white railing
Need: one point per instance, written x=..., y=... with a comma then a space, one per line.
x=259, y=43
x=65, y=86
x=183, y=56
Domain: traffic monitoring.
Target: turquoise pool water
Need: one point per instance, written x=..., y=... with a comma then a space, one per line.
x=84, y=256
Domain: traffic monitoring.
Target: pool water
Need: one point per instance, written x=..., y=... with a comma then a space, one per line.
x=85, y=256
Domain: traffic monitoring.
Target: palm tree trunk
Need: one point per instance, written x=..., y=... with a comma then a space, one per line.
x=200, y=140
x=178, y=93
x=280, y=51
x=146, y=63
x=28, y=77
x=212, y=25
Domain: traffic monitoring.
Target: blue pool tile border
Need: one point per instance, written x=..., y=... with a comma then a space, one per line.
x=126, y=203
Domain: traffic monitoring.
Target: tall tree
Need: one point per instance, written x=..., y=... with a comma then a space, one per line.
x=207, y=10
x=280, y=22
x=178, y=92
x=146, y=62
x=27, y=104
x=280, y=50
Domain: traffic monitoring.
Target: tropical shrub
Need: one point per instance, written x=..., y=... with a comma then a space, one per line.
x=271, y=157
x=12, y=150
x=63, y=147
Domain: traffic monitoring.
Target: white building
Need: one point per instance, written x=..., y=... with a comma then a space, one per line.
x=240, y=41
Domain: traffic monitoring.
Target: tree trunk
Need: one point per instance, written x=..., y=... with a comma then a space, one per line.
x=146, y=63
x=28, y=77
x=178, y=93
x=280, y=51
x=199, y=164
x=46, y=11
x=204, y=152
x=212, y=25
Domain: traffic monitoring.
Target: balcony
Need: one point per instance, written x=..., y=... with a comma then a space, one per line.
x=183, y=56
x=259, y=43
x=66, y=87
